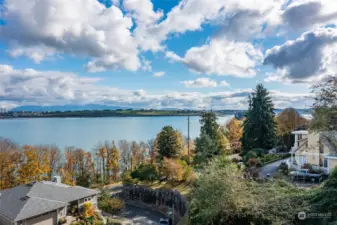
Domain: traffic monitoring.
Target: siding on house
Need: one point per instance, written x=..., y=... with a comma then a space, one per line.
x=92, y=199
x=332, y=163
x=45, y=219
x=314, y=150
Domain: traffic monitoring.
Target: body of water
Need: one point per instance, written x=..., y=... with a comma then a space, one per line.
x=87, y=133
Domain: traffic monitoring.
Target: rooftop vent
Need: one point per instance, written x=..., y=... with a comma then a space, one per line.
x=56, y=179
x=24, y=198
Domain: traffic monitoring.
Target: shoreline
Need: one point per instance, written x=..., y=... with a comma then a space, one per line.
x=106, y=116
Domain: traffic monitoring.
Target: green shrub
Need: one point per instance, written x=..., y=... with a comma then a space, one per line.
x=111, y=205
x=145, y=172
x=98, y=223
x=62, y=220
x=126, y=177
x=250, y=155
x=259, y=151
x=284, y=168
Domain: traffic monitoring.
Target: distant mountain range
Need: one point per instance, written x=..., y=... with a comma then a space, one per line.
x=63, y=108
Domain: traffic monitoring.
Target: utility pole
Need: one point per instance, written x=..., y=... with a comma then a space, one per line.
x=188, y=136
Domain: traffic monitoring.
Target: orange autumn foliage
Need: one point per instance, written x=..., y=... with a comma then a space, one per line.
x=173, y=169
x=35, y=166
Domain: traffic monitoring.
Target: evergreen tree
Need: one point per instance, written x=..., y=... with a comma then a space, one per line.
x=259, y=129
x=209, y=126
x=211, y=141
x=169, y=143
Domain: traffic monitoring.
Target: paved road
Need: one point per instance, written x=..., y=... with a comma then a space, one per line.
x=141, y=216
x=271, y=168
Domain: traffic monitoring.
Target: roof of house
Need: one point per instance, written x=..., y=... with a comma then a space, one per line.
x=328, y=138
x=36, y=198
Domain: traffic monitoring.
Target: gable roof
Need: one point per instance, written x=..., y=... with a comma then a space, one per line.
x=33, y=199
x=327, y=138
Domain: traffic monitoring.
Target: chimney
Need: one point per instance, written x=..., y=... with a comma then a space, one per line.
x=56, y=179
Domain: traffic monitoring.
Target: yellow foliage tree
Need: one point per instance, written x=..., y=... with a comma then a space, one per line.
x=68, y=171
x=10, y=160
x=88, y=210
x=235, y=130
x=173, y=169
x=112, y=162
x=35, y=166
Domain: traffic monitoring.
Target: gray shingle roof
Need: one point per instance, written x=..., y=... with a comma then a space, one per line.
x=329, y=138
x=37, y=206
x=26, y=201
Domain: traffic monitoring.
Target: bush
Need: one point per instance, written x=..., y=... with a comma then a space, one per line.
x=98, y=223
x=173, y=169
x=270, y=157
x=88, y=210
x=250, y=155
x=222, y=197
x=253, y=162
x=259, y=151
x=111, y=205
x=191, y=178
x=126, y=177
x=284, y=168
x=145, y=172
x=62, y=220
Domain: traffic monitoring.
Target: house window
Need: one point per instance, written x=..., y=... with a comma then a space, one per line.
x=300, y=137
x=62, y=212
x=326, y=163
x=303, y=159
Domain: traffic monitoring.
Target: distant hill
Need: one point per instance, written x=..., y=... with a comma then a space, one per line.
x=63, y=108
x=70, y=107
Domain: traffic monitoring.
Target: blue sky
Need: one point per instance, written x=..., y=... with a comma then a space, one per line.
x=164, y=53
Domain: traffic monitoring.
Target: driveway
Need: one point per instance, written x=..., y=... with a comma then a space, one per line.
x=138, y=215
x=141, y=216
x=271, y=168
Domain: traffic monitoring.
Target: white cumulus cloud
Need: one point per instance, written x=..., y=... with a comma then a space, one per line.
x=159, y=74
x=34, y=87
x=222, y=57
x=308, y=59
x=224, y=84
x=199, y=83
x=77, y=27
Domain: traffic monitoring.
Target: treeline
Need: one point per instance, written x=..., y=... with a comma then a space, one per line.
x=102, y=113
x=103, y=165
x=20, y=165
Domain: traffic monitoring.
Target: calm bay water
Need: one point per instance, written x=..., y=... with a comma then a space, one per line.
x=86, y=133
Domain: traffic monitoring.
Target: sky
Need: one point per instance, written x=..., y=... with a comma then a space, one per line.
x=197, y=54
